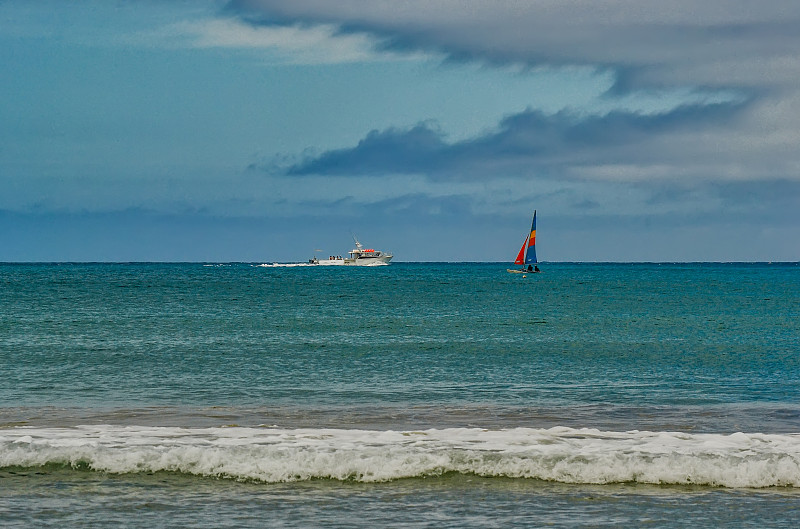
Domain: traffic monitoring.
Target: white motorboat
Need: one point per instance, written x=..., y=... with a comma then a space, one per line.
x=358, y=256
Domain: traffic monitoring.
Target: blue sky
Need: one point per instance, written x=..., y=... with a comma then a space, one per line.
x=256, y=130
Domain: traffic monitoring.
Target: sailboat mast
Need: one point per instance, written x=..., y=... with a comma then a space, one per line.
x=530, y=254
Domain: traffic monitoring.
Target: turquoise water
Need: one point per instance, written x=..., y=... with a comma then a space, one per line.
x=298, y=392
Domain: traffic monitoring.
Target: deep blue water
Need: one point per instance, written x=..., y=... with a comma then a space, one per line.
x=688, y=350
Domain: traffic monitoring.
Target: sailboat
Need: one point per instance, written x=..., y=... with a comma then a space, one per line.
x=527, y=254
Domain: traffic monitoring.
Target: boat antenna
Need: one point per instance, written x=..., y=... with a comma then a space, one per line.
x=358, y=244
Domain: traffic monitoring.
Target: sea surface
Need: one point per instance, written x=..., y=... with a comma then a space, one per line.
x=410, y=395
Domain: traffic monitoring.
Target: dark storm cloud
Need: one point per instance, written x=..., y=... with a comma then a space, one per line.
x=389, y=151
x=525, y=143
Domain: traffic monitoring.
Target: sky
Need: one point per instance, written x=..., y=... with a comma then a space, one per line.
x=264, y=131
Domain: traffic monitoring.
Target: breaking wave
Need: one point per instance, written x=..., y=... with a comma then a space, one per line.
x=274, y=455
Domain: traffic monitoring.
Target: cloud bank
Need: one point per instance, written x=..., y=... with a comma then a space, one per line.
x=743, y=52
x=527, y=144
x=723, y=153
x=649, y=42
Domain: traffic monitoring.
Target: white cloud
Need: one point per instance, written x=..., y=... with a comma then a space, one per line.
x=295, y=44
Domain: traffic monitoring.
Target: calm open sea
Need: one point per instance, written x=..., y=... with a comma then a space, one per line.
x=413, y=395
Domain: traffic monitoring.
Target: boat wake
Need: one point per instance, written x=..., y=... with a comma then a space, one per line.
x=321, y=263
x=285, y=265
x=273, y=455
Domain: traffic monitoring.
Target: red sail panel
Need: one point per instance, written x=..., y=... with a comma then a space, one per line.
x=521, y=255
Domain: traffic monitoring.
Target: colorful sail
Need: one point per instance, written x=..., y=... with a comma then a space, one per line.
x=521, y=255
x=530, y=256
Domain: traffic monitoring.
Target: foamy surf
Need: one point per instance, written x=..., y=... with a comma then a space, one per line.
x=321, y=263
x=280, y=455
x=284, y=265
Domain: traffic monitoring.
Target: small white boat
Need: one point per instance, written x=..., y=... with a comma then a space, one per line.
x=358, y=256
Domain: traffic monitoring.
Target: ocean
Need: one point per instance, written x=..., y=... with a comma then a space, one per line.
x=410, y=395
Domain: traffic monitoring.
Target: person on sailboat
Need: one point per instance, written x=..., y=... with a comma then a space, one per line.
x=536, y=268
x=530, y=268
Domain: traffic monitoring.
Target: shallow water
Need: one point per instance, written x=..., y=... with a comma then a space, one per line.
x=54, y=497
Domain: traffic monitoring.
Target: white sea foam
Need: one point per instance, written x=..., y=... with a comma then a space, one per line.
x=284, y=265
x=277, y=455
x=321, y=263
